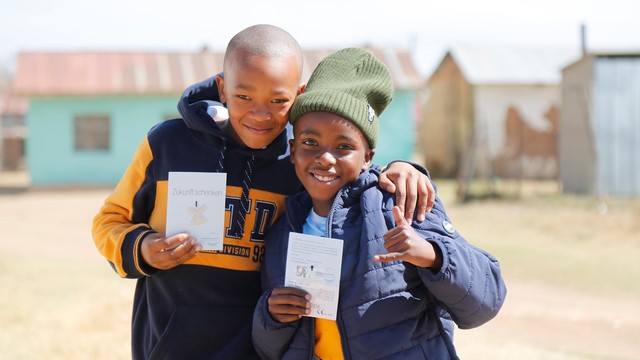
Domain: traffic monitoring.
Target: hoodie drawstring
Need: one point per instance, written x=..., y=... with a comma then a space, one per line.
x=223, y=152
x=244, y=198
x=247, y=180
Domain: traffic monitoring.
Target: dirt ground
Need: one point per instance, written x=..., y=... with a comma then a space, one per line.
x=571, y=267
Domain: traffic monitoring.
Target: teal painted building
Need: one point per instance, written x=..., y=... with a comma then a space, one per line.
x=53, y=154
x=397, y=137
x=88, y=112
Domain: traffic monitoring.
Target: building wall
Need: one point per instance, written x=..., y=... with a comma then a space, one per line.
x=397, y=137
x=12, y=139
x=51, y=157
x=616, y=123
x=3, y=155
x=576, y=147
x=527, y=152
x=12, y=153
x=446, y=129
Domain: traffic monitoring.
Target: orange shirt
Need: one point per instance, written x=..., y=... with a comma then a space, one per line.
x=328, y=345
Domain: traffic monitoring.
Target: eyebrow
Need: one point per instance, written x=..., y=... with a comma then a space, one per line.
x=249, y=87
x=245, y=87
x=309, y=132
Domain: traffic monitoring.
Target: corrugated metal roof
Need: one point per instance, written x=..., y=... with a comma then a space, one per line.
x=137, y=73
x=105, y=73
x=617, y=54
x=513, y=65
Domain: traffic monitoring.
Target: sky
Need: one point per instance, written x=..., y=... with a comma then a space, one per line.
x=426, y=27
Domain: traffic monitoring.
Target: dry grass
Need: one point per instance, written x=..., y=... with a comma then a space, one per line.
x=60, y=299
x=571, y=266
x=572, y=271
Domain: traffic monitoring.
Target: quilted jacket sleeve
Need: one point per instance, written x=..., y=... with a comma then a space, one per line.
x=469, y=284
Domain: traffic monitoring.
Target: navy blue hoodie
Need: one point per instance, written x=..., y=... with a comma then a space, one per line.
x=201, y=309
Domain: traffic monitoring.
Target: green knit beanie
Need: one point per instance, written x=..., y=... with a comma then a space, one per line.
x=351, y=83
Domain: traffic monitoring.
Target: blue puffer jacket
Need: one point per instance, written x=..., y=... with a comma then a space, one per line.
x=388, y=310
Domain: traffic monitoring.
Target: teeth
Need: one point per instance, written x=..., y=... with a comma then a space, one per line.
x=324, y=178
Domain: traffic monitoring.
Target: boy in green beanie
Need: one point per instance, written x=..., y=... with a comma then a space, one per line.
x=402, y=284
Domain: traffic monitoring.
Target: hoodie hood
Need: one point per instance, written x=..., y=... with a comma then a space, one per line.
x=193, y=105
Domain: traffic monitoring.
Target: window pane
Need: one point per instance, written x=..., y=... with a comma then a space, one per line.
x=91, y=132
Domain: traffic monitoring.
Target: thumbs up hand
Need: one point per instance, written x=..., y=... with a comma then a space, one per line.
x=404, y=243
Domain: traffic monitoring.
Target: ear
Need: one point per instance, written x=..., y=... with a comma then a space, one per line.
x=292, y=150
x=302, y=88
x=220, y=83
x=368, y=156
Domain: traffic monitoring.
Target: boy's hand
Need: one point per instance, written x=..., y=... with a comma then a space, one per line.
x=411, y=188
x=164, y=253
x=288, y=304
x=404, y=243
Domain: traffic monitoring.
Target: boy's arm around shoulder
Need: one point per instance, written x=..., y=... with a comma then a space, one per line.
x=469, y=283
x=271, y=338
x=115, y=233
x=412, y=187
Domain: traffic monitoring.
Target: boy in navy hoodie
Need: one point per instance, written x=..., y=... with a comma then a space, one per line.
x=402, y=284
x=189, y=303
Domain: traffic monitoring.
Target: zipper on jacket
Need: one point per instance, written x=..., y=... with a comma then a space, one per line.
x=338, y=317
x=344, y=356
x=332, y=210
x=312, y=341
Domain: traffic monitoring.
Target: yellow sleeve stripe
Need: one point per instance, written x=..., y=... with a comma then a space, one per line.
x=113, y=222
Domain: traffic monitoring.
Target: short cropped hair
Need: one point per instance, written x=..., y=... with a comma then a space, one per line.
x=264, y=40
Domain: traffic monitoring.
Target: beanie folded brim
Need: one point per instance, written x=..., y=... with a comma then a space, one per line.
x=353, y=109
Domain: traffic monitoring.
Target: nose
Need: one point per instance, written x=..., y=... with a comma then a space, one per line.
x=261, y=113
x=326, y=158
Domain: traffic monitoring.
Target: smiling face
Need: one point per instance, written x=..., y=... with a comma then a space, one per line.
x=328, y=152
x=259, y=92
